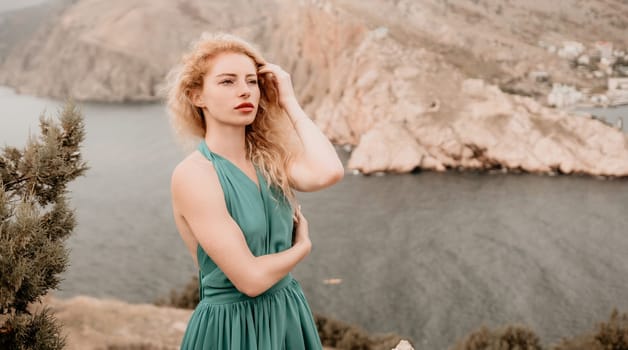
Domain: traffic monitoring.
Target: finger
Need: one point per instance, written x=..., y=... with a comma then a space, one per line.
x=271, y=68
x=267, y=68
x=268, y=75
x=297, y=213
x=269, y=65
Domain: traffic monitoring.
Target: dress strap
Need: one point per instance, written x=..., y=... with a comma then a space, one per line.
x=202, y=147
x=222, y=170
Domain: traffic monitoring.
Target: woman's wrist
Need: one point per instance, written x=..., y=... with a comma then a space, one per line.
x=294, y=110
x=304, y=246
x=289, y=102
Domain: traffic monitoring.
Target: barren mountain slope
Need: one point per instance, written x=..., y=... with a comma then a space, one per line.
x=409, y=83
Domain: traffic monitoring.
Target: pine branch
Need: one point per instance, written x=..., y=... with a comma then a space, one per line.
x=35, y=220
x=9, y=185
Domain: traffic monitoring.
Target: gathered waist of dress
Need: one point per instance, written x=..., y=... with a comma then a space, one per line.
x=230, y=295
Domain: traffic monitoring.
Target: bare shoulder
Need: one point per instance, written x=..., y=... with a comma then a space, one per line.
x=194, y=176
x=193, y=165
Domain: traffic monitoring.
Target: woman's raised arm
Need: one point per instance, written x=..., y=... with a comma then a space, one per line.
x=318, y=165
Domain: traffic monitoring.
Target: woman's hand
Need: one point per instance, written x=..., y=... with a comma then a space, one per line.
x=301, y=231
x=283, y=82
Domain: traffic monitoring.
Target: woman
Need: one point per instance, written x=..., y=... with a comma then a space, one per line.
x=233, y=199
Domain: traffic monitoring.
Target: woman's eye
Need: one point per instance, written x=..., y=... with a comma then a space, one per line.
x=253, y=82
x=227, y=82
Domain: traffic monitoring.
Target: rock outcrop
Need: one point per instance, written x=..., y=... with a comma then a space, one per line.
x=101, y=324
x=495, y=131
x=409, y=84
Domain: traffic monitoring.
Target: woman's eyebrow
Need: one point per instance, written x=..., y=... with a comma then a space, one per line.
x=226, y=74
x=234, y=75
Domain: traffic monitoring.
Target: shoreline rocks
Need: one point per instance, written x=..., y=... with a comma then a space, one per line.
x=496, y=131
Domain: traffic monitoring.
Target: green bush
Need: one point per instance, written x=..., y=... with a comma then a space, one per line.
x=35, y=221
x=611, y=335
x=507, y=338
x=343, y=336
x=187, y=298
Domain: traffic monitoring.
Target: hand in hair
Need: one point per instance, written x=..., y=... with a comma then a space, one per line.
x=282, y=80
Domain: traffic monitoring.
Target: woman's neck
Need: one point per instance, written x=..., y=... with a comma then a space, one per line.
x=227, y=141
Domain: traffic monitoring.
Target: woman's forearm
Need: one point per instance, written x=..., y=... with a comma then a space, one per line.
x=318, y=150
x=269, y=269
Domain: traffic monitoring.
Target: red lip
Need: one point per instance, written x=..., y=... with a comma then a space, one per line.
x=245, y=105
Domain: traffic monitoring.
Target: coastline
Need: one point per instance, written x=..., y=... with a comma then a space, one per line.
x=95, y=324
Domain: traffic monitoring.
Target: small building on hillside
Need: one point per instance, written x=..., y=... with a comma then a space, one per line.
x=617, y=91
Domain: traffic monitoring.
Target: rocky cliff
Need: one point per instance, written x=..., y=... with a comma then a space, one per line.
x=423, y=84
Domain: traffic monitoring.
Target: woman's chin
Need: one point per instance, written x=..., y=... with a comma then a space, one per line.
x=244, y=121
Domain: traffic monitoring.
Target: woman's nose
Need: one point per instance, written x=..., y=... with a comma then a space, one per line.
x=245, y=90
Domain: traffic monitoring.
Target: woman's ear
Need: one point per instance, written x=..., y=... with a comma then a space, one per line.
x=197, y=100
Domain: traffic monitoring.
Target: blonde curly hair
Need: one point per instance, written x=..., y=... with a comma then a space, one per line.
x=269, y=139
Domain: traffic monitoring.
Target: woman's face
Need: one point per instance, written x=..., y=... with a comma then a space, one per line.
x=230, y=92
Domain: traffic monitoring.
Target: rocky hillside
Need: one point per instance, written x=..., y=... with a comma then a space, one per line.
x=427, y=84
x=112, y=50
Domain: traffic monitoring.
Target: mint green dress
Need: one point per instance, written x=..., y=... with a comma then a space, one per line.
x=226, y=319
